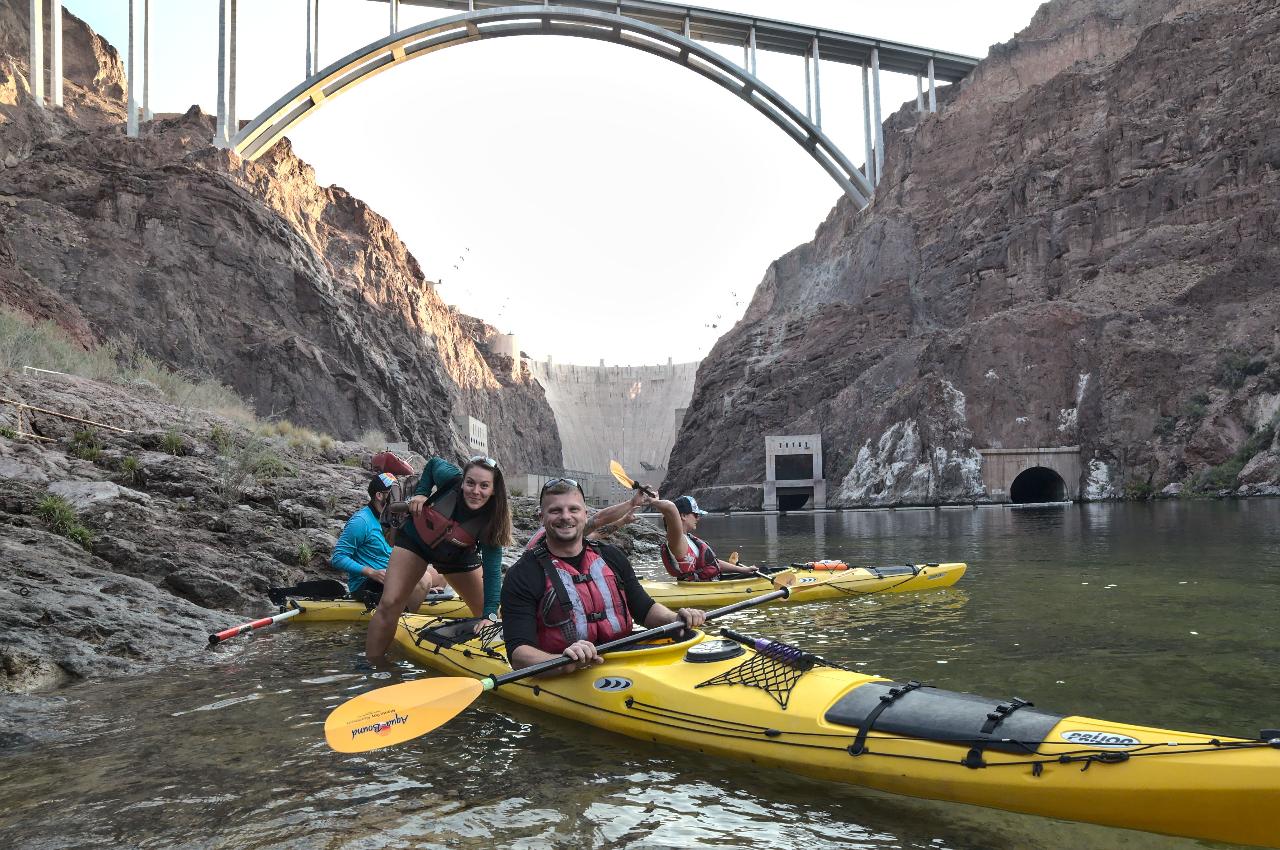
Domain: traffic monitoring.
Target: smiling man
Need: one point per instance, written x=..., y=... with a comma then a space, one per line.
x=566, y=595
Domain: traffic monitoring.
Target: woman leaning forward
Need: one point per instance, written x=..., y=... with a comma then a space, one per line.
x=461, y=521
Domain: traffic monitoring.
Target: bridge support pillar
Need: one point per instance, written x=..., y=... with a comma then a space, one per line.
x=55, y=52
x=395, y=16
x=131, y=71
x=875, y=87
x=817, y=85
x=919, y=93
x=146, y=61
x=226, y=126
x=752, y=43
x=933, y=95
x=313, y=36
x=36, y=65
x=868, y=164
x=808, y=88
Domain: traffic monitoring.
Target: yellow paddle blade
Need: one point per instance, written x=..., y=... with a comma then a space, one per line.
x=398, y=713
x=733, y=558
x=621, y=474
x=783, y=579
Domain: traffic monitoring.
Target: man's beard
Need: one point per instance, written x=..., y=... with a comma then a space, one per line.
x=566, y=533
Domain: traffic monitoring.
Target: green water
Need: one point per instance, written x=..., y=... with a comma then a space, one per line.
x=1158, y=614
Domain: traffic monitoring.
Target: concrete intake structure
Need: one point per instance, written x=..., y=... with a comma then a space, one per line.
x=630, y=414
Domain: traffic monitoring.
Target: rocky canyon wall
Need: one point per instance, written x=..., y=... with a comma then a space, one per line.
x=298, y=296
x=1078, y=249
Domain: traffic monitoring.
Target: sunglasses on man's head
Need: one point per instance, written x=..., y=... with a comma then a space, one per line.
x=554, y=481
x=483, y=460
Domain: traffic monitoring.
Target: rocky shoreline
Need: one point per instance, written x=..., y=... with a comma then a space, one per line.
x=187, y=519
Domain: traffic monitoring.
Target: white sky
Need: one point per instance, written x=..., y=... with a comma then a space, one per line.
x=598, y=202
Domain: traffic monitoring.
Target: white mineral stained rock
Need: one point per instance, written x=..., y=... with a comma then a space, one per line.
x=1097, y=485
x=898, y=471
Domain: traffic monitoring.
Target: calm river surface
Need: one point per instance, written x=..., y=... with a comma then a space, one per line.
x=1160, y=614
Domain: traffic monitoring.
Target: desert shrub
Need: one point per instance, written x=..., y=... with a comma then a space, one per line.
x=24, y=342
x=220, y=438
x=1138, y=490
x=374, y=439
x=60, y=516
x=1197, y=406
x=131, y=471
x=85, y=445
x=1234, y=368
x=243, y=464
x=171, y=443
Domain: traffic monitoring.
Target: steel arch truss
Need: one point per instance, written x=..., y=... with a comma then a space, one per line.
x=265, y=130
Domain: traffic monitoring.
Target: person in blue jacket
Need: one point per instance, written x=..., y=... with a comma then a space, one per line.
x=461, y=521
x=362, y=550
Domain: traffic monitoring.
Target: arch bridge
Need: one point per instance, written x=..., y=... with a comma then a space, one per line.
x=677, y=33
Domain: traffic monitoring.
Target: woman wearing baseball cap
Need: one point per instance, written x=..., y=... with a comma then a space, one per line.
x=686, y=557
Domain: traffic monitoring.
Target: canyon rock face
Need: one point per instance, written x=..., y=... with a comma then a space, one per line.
x=299, y=297
x=1078, y=249
x=186, y=519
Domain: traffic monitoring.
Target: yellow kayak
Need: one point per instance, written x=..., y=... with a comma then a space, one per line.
x=776, y=706
x=818, y=585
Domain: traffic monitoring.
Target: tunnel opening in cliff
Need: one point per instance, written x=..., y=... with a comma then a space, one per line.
x=794, y=498
x=1037, y=484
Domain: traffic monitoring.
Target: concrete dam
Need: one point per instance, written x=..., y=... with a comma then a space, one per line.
x=626, y=413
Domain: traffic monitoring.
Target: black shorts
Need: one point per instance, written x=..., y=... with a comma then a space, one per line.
x=413, y=543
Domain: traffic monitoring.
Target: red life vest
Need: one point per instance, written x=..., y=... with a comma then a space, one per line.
x=450, y=541
x=698, y=564
x=537, y=538
x=586, y=604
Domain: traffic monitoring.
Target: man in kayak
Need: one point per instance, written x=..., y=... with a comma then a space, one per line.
x=686, y=557
x=603, y=521
x=568, y=594
x=362, y=550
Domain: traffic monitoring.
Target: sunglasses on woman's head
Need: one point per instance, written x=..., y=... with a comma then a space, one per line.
x=483, y=460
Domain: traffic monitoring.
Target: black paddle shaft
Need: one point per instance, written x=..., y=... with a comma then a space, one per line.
x=638, y=637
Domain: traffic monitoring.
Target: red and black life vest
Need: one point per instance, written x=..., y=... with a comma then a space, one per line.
x=698, y=564
x=450, y=541
x=580, y=604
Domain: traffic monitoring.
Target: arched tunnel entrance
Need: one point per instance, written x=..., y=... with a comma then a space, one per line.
x=1037, y=484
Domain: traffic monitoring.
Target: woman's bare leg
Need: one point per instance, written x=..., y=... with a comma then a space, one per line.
x=470, y=586
x=404, y=571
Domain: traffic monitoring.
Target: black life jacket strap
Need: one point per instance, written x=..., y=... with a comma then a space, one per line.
x=859, y=745
x=543, y=557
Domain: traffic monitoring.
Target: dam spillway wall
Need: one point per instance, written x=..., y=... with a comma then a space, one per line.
x=626, y=413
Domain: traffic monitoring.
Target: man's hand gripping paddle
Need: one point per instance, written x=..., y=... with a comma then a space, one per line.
x=625, y=480
x=402, y=712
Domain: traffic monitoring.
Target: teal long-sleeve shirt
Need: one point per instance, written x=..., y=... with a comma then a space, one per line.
x=440, y=475
x=360, y=545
